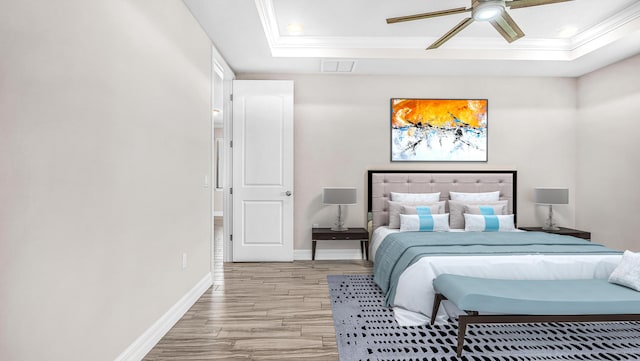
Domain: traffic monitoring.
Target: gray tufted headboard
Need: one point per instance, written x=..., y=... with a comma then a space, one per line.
x=382, y=182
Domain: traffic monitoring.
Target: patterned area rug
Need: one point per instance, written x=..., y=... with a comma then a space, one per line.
x=367, y=331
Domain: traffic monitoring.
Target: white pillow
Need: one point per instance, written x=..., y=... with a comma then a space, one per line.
x=481, y=223
x=395, y=208
x=475, y=197
x=415, y=197
x=424, y=222
x=457, y=210
x=627, y=273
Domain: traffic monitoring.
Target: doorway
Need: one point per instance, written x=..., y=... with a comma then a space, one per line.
x=218, y=166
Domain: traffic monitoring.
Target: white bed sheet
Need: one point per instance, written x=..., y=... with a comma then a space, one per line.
x=414, y=295
x=376, y=239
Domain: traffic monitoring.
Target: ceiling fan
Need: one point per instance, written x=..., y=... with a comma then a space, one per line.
x=493, y=11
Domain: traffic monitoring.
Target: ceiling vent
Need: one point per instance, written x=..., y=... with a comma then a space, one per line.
x=337, y=66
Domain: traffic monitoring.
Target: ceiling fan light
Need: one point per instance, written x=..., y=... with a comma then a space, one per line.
x=487, y=10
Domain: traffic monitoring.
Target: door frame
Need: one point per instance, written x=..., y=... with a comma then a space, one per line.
x=227, y=75
x=227, y=200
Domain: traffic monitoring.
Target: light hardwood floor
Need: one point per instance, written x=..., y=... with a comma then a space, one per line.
x=260, y=311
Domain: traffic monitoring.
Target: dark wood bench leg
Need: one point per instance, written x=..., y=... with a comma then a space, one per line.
x=436, y=305
x=462, y=330
x=463, y=320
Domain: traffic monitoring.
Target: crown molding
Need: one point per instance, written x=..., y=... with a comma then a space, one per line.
x=613, y=28
x=610, y=30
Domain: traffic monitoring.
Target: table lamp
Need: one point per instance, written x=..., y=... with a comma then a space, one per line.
x=551, y=196
x=340, y=196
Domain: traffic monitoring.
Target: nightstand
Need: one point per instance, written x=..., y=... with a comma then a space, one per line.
x=326, y=234
x=562, y=231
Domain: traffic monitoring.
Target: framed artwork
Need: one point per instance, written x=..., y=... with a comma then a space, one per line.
x=431, y=130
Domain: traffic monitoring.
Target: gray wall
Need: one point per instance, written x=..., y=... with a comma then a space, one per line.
x=342, y=128
x=608, y=154
x=565, y=132
x=105, y=136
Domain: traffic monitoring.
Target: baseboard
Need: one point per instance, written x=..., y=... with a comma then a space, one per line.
x=327, y=254
x=140, y=347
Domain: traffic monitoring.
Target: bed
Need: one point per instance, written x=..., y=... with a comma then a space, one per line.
x=405, y=263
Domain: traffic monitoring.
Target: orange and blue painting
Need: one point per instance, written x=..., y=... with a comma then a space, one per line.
x=439, y=130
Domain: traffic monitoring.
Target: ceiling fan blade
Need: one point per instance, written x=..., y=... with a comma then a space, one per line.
x=507, y=27
x=427, y=15
x=517, y=4
x=458, y=28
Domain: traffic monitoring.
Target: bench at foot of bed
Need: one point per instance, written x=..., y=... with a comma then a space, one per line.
x=529, y=301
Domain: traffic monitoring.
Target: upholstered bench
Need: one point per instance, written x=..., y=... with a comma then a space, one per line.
x=527, y=301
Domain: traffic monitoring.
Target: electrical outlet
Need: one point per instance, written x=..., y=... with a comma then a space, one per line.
x=316, y=225
x=184, y=261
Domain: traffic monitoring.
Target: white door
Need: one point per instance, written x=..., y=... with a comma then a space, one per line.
x=262, y=170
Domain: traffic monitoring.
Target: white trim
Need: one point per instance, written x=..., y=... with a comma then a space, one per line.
x=267, y=15
x=327, y=254
x=227, y=200
x=623, y=23
x=212, y=171
x=617, y=21
x=143, y=344
x=217, y=68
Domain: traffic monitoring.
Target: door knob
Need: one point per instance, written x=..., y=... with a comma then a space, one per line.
x=288, y=193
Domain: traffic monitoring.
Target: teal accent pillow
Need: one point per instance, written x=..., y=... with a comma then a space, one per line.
x=424, y=221
x=488, y=223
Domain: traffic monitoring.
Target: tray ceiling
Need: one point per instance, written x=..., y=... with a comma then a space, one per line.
x=564, y=39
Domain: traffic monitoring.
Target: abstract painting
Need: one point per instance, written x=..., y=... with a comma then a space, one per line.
x=439, y=130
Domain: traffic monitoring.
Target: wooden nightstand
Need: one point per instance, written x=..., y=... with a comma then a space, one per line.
x=562, y=231
x=326, y=234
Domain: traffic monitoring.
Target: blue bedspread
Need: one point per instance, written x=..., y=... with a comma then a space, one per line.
x=400, y=250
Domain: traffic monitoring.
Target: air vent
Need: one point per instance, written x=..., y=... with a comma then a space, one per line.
x=337, y=66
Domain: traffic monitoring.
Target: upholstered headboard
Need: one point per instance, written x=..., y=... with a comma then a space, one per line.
x=382, y=182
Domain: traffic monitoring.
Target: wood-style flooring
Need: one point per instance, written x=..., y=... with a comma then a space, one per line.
x=260, y=311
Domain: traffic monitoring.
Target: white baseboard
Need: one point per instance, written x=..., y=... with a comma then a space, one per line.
x=327, y=254
x=141, y=346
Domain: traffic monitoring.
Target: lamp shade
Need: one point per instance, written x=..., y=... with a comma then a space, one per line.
x=551, y=195
x=335, y=195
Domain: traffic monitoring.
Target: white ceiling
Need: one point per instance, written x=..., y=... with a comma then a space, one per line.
x=252, y=36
